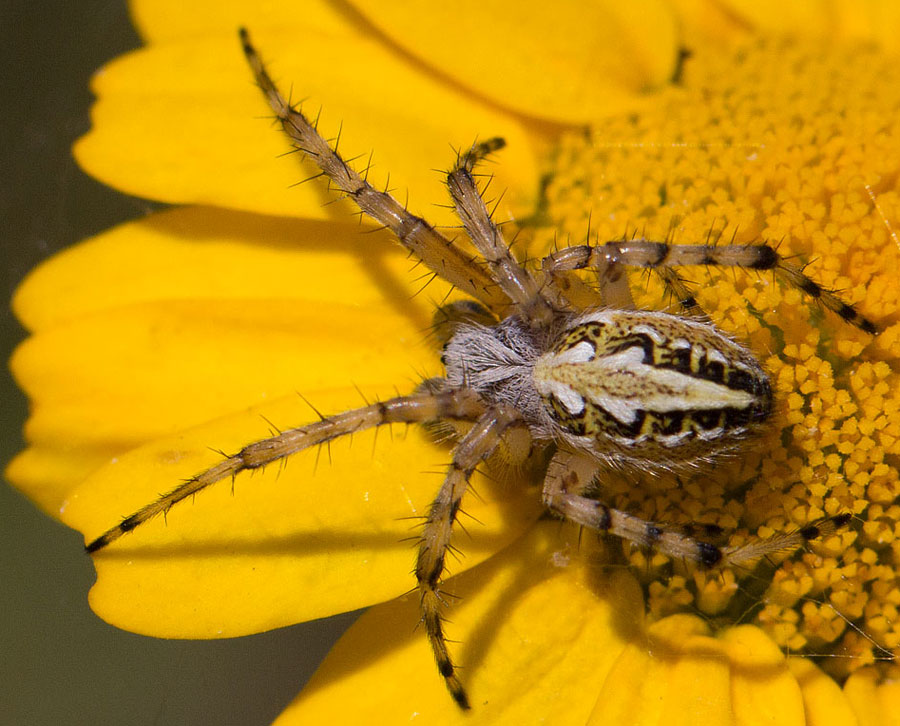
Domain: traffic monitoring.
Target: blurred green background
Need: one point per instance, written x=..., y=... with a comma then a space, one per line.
x=59, y=663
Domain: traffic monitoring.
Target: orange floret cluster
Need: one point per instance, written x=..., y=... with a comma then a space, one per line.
x=800, y=148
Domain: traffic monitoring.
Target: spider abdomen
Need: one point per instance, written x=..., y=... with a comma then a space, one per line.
x=642, y=382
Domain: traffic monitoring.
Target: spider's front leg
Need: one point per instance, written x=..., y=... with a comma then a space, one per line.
x=609, y=258
x=478, y=444
x=441, y=255
x=514, y=279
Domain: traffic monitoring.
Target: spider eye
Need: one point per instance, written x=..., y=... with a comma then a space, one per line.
x=636, y=381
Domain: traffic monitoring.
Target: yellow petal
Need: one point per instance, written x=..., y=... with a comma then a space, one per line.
x=321, y=535
x=567, y=62
x=47, y=473
x=563, y=63
x=183, y=122
x=634, y=691
x=875, y=704
x=114, y=380
x=824, y=702
x=195, y=313
x=207, y=253
x=868, y=20
x=763, y=689
x=708, y=23
x=850, y=21
x=677, y=674
x=537, y=628
x=889, y=699
x=158, y=20
x=680, y=674
x=809, y=17
x=136, y=372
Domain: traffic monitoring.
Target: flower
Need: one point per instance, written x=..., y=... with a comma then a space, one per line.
x=194, y=327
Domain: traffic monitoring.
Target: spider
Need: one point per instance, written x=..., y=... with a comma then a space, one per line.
x=536, y=351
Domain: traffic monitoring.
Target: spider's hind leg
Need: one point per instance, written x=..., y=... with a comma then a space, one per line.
x=417, y=408
x=569, y=476
x=478, y=444
x=678, y=288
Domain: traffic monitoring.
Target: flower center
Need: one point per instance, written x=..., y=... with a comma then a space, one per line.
x=799, y=147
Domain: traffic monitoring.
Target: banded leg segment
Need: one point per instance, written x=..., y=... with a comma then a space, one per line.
x=647, y=254
x=569, y=475
x=563, y=494
x=437, y=252
x=513, y=278
x=478, y=444
x=459, y=405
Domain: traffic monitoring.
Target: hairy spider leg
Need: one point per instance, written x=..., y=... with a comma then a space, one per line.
x=516, y=297
x=417, y=408
x=614, y=290
x=677, y=287
x=570, y=475
x=514, y=279
x=648, y=254
x=477, y=445
x=437, y=252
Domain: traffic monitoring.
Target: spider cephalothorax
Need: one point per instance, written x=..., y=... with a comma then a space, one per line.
x=579, y=371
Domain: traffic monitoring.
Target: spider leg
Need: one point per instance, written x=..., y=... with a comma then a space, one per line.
x=437, y=252
x=783, y=542
x=569, y=475
x=607, y=258
x=614, y=290
x=417, y=408
x=516, y=281
x=478, y=444
x=686, y=300
x=573, y=290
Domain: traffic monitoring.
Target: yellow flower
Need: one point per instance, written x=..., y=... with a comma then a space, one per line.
x=194, y=328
